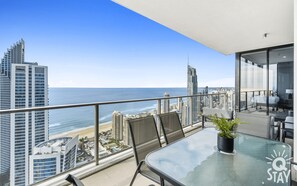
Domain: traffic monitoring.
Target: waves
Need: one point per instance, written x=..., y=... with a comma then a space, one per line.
x=63, y=120
x=54, y=125
x=80, y=118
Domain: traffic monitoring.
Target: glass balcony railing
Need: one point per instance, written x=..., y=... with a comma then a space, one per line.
x=47, y=145
x=250, y=100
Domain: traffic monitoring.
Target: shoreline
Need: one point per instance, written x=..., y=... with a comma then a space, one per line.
x=83, y=132
x=89, y=131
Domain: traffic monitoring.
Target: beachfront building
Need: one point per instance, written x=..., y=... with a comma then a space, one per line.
x=22, y=85
x=166, y=103
x=53, y=157
x=117, y=126
x=192, y=89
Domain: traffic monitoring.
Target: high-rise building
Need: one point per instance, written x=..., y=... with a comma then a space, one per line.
x=192, y=89
x=22, y=85
x=117, y=125
x=53, y=157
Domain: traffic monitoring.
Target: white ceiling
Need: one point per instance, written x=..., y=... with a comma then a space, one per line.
x=227, y=26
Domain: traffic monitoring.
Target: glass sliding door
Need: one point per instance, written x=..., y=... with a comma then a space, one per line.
x=265, y=80
x=281, y=76
x=253, y=79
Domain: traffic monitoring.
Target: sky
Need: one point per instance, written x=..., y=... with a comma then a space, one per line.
x=98, y=43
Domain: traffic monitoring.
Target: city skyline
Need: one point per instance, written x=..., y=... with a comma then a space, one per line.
x=101, y=42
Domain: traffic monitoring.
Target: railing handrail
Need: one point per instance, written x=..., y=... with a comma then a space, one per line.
x=254, y=91
x=51, y=107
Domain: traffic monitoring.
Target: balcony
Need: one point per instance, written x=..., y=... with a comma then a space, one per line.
x=107, y=157
x=83, y=151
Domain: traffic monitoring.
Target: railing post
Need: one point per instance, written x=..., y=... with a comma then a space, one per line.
x=226, y=101
x=246, y=100
x=96, y=134
x=191, y=111
x=159, y=112
x=198, y=99
x=210, y=101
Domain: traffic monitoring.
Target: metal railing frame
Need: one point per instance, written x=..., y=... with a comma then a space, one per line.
x=253, y=95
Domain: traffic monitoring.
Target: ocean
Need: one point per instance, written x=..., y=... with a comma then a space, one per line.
x=63, y=120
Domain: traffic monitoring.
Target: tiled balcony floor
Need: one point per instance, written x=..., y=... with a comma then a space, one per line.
x=118, y=175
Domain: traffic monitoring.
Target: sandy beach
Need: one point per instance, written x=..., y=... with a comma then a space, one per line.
x=82, y=132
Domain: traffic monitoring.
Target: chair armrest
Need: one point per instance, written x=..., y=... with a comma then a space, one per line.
x=74, y=180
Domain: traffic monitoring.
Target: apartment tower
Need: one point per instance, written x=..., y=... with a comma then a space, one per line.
x=192, y=89
x=117, y=125
x=22, y=85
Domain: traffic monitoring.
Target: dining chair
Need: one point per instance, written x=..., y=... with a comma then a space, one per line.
x=171, y=127
x=73, y=180
x=145, y=139
x=288, y=128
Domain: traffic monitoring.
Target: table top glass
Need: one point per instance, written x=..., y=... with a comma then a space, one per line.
x=195, y=160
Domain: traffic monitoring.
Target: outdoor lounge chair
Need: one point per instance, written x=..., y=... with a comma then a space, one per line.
x=145, y=139
x=171, y=127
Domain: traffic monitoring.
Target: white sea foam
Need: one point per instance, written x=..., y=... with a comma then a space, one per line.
x=54, y=125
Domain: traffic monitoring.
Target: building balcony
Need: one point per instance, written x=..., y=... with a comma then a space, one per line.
x=106, y=157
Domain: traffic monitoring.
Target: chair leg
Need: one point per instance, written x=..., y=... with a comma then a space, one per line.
x=135, y=174
x=162, y=182
x=283, y=136
x=203, y=120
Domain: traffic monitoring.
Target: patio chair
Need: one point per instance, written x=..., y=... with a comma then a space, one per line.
x=145, y=139
x=74, y=180
x=288, y=128
x=171, y=127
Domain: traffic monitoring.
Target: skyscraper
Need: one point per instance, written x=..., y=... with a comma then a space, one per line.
x=117, y=125
x=22, y=85
x=192, y=87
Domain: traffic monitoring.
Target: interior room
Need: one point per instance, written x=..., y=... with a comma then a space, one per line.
x=266, y=80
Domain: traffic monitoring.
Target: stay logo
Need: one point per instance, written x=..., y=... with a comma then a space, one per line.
x=279, y=171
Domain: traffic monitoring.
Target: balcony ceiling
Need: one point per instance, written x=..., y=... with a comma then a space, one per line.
x=227, y=26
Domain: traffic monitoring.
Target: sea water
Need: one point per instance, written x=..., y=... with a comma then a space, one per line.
x=63, y=120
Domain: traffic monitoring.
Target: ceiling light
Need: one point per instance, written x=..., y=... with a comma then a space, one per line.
x=284, y=57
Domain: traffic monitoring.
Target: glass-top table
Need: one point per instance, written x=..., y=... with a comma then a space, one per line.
x=195, y=160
